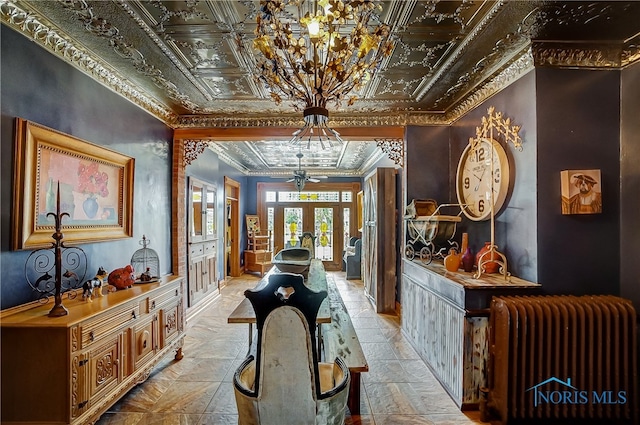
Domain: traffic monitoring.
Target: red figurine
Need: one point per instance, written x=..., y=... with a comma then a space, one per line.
x=122, y=278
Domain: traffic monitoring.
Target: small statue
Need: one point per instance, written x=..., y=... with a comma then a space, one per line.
x=122, y=278
x=146, y=276
x=87, y=291
x=91, y=289
x=101, y=278
x=102, y=275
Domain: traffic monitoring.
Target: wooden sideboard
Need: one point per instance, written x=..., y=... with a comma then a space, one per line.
x=445, y=316
x=71, y=369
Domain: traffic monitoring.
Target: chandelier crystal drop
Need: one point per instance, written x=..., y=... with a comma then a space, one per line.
x=317, y=52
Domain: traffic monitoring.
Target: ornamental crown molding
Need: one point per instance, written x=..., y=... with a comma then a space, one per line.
x=37, y=29
x=586, y=55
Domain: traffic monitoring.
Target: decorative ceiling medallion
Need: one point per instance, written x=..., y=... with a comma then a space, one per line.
x=33, y=27
x=394, y=148
x=192, y=149
x=572, y=56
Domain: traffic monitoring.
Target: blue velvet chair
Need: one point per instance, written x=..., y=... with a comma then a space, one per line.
x=350, y=247
x=352, y=261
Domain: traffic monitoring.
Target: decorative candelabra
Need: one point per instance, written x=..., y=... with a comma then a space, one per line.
x=42, y=262
x=502, y=126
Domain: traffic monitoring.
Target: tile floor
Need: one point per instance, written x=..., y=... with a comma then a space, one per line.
x=197, y=390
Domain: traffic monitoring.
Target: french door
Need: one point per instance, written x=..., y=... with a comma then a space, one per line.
x=322, y=220
x=326, y=210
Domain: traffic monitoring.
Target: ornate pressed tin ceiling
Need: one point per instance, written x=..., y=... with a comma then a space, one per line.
x=191, y=63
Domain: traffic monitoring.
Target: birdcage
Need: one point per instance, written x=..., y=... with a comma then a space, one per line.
x=145, y=262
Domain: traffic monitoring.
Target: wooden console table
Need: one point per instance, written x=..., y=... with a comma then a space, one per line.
x=445, y=316
x=71, y=369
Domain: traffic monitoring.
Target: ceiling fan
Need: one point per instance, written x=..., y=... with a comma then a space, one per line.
x=300, y=176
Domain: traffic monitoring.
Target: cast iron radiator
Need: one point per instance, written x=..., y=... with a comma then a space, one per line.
x=561, y=358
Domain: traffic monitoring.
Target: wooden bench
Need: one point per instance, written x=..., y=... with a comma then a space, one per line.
x=340, y=340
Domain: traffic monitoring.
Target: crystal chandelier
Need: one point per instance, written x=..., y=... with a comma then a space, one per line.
x=316, y=52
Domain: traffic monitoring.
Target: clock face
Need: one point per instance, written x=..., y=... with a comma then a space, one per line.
x=483, y=176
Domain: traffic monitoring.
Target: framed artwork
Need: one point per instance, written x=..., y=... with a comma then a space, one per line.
x=253, y=225
x=581, y=192
x=96, y=188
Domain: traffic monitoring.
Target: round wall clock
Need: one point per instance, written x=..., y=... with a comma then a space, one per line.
x=475, y=181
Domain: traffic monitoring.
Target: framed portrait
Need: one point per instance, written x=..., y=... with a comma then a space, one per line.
x=92, y=184
x=581, y=192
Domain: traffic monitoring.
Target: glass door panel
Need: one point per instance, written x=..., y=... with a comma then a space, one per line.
x=293, y=220
x=211, y=213
x=323, y=226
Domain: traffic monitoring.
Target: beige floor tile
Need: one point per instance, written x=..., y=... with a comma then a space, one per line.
x=169, y=419
x=186, y=397
x=217, y=419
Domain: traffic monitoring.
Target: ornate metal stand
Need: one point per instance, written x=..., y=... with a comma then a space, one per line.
x=495, y=122
x=42, y=262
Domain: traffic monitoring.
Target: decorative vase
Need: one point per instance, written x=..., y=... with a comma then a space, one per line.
x=468, y=260
x=465, y=243
x=489, y=266
x=90, y=206
x=452, y=261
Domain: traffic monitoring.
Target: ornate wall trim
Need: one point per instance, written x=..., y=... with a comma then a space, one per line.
x=561, y=55
x=192, y=149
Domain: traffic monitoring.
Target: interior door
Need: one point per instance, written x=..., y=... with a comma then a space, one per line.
x=369, y=239
x=323, y=220
x=232, y=229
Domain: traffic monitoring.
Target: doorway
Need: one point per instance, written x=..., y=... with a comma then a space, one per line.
x=232, y=229
x=322, y=220
x=326, y=210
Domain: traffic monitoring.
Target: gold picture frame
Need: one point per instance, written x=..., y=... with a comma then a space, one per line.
x=96, y=188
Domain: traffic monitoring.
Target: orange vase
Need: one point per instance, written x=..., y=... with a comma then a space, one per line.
x=491, y=266
x=452, y=261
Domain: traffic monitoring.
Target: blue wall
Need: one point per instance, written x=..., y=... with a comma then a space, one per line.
x=42, y=88
x=578, y=128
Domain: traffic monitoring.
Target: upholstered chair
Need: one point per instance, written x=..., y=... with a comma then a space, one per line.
x=353, y=261
x=284, y=383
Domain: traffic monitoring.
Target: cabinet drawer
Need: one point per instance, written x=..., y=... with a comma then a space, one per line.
x=171, y=295
x=196, y=250
x=101, y=326
x=209, y=248
x=144, y=343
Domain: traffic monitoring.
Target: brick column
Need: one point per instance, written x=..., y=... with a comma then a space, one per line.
x=178, y=211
